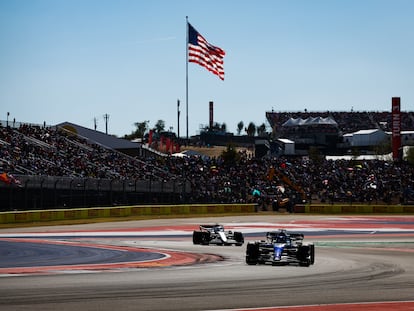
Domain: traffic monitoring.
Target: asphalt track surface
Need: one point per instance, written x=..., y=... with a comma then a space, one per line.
x=361, y=263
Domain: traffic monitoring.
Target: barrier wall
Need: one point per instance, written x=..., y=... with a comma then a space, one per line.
x=193, y=209
x=124, y=211
x=354, y=209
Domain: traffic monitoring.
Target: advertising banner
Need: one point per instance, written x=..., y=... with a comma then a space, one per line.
x=396, y=127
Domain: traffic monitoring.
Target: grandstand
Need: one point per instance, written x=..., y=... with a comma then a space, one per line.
x=332, y=132
x=102, y=139
x=53, y=158
x=55, y=166
x=348, y=122
x=312, y=131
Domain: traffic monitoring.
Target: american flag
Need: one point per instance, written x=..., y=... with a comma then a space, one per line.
x=205, y=54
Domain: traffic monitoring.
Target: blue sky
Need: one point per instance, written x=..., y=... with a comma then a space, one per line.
x=77, y=60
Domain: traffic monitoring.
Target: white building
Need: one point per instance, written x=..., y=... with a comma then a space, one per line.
x=287, y=145
x=365, y=138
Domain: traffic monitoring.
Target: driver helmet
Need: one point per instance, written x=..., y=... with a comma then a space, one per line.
x=281, y=238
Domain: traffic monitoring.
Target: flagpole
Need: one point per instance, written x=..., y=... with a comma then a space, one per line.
x=186, y=76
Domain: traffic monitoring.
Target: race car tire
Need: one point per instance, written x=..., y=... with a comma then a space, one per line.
x=205, y=238
x=305, y=263
x=238, y=237
x=312, y=253
x=304, y=255
x=252, y=253
x=197, y=237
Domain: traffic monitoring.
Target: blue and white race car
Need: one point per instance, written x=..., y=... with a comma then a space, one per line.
x=280, y=248
x=215, y=234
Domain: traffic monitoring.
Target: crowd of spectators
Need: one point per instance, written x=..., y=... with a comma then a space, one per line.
x=34, y=150
x=368, y=181
x=348, y=122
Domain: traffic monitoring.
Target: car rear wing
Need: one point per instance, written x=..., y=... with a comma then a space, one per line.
x=211, y=228
x=293, y=236
x=296, y=236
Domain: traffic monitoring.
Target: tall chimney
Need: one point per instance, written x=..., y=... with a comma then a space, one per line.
x=211, y=115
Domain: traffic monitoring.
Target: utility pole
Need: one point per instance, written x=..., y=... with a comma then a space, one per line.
x=178, y=118
x=106, y=117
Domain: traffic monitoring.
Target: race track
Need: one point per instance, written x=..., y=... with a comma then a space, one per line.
x=103, y=266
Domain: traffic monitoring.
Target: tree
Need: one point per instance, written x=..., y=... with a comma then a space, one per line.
x=217, y=127
x=230, y=156
x=141, y=128
x=251, y=129
x=159, y=126
x=383, y=148
x=240, y=126
x=410, y=156
x=261, y=130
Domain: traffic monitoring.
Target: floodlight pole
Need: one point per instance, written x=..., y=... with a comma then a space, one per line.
x=186, y=75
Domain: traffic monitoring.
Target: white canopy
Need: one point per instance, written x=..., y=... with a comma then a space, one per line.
x=310, y=121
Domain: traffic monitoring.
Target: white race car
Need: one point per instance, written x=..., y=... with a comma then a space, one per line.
x=215, y=234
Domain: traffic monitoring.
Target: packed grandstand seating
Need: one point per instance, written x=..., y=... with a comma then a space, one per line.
x=348, y=122
x=37, y=150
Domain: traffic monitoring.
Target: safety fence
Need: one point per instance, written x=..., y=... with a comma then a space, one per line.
x=43, y=192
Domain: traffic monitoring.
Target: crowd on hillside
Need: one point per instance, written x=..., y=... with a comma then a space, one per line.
x=32, y=150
